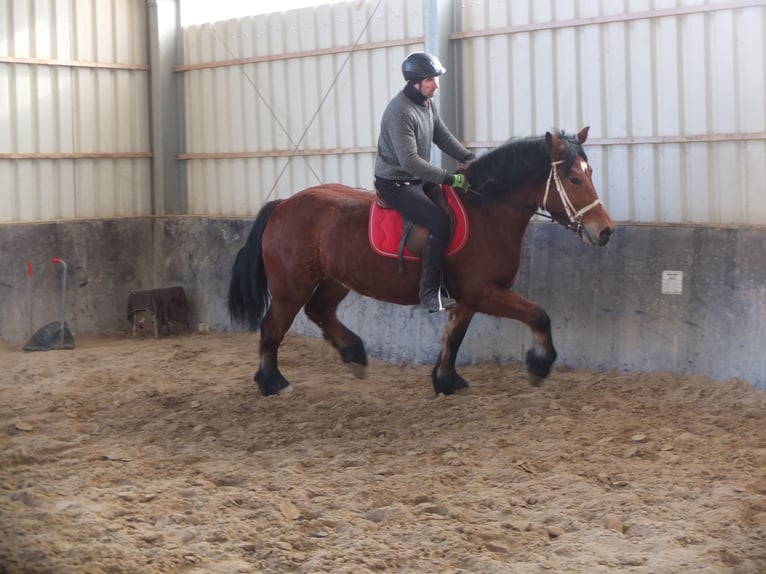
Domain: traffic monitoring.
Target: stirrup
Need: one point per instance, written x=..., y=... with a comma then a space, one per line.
x=445, y=302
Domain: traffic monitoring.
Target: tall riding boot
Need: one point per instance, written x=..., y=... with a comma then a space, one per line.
x=431, y=286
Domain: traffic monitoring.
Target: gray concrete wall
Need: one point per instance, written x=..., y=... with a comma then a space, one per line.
x=106, y=259
x=607, y=305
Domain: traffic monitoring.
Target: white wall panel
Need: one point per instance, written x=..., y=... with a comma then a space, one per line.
x=74, y=116
x=673, y=90
x=280, y=102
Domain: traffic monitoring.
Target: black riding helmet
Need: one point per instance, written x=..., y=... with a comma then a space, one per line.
x=421, y=65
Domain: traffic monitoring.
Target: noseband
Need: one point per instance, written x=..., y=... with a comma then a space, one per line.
x=574, y=218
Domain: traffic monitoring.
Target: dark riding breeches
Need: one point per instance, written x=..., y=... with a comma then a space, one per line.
x=411, y=201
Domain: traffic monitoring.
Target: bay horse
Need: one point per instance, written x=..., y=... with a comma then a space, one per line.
x=309, y=250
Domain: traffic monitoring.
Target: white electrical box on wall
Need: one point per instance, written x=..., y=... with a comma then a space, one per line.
x=672, y=282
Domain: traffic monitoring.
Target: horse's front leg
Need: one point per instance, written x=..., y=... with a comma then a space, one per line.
x=504, y=303
x=322, y=309
x=444, y=376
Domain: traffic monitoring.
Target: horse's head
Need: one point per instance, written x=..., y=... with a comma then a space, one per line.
x=570, y=196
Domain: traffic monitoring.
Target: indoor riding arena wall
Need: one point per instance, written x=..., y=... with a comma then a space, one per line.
x=624, y=306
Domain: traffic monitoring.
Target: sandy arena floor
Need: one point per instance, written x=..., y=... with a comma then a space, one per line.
x=143, y=456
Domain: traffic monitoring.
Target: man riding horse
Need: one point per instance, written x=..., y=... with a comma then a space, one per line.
x=409, y=126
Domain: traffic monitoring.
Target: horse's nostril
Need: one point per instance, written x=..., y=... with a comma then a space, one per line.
x=604, y=236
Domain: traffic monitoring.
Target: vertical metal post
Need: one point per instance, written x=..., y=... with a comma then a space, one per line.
x=30, y=308
x=439, y=17
x=63, y=296
x=165, y=101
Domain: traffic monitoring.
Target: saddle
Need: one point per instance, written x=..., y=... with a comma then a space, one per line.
x=391, y=235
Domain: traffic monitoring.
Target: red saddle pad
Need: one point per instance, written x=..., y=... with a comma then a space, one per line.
x=385, y=228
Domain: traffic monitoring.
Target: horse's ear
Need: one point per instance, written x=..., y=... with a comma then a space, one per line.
x=556, y=147
x=582, y=135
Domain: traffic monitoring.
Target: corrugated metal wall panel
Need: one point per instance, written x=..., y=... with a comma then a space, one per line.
x=74, y=140
x=298, y=106
x=673, y=90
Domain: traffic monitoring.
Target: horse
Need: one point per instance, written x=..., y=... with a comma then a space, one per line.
x=310, y=250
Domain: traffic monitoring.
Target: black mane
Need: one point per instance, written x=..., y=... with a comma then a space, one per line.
x=517, y=162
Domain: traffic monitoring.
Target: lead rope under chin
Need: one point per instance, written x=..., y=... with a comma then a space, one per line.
x=574, y=216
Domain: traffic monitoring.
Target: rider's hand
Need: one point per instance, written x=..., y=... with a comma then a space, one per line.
x=460, y=182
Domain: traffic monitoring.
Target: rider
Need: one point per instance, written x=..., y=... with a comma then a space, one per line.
x=409, y=126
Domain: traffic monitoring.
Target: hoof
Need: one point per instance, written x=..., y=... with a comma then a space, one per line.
x=463, y=392
x=359, y=371
x=286, y=390
x=452, y=384
x=538, y=367
x=355, y=357
x=274, y=384
x=534, y=380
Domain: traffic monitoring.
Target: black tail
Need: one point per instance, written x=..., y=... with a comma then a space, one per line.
x=249, y=297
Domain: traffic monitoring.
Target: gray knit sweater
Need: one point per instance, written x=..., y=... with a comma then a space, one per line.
x=407, y=130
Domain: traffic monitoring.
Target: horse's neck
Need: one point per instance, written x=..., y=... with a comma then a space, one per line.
x=508, y=217
x=521, y=203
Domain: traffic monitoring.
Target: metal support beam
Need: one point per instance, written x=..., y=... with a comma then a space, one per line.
x=166, y=104
x=439, y=19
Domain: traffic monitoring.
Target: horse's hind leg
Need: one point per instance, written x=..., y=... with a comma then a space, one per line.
x=444, y=376
x=273, y=328
x=321, y=309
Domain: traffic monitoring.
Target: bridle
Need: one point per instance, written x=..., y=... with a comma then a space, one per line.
x=574, y=218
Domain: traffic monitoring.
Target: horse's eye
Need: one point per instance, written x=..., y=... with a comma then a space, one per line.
x=575, y=180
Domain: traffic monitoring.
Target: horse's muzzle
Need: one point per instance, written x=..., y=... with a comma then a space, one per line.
x=598, y=236
x=603, y=237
